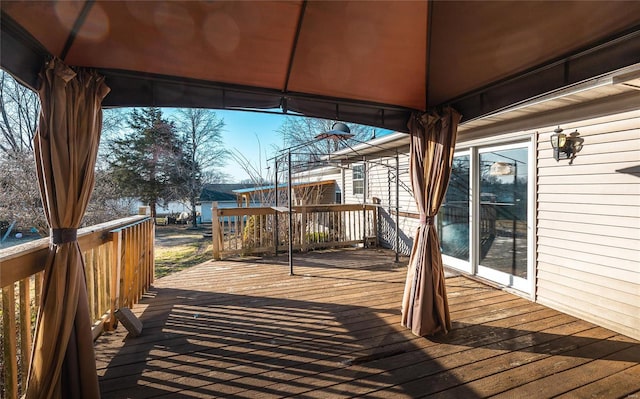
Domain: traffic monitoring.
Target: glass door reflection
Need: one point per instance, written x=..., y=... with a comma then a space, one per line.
x=503, y=211
x=453, y=217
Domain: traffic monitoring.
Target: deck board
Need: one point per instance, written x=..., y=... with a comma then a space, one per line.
x=246, y=329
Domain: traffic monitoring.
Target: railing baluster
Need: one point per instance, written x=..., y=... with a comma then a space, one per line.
x=148, y=266
x=115, y=280
x=25, y=329
x=137, y=241
x=133, y=260
x=124, y=282
x=38, y=287
x=235, y=232
x=102, y=289
x=304, y=225
x=88, y=273
x=217, y=226
x=96, y=284
x=9, y=336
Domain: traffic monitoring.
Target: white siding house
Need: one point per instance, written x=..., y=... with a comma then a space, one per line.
x=222, y=194
x=564, y=233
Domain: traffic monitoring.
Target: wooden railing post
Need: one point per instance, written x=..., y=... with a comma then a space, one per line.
x=215, y=231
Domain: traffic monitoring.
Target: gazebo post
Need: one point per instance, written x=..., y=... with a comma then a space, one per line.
x=397, y=246
x=290, y=214
x=275, y=215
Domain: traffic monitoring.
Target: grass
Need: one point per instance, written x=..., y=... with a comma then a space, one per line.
x=174, y=257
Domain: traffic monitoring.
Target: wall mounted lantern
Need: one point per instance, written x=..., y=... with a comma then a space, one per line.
x=565, y=146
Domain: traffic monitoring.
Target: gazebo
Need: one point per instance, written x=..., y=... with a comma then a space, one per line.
x=416, y=67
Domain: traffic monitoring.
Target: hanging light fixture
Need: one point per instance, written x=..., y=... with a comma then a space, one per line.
x=568, y=146
x=502, y=169
x=339, y=131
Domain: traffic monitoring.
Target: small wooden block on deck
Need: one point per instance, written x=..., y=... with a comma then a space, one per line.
x=129, y=321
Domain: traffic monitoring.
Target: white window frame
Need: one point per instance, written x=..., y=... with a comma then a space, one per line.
x=361, y=179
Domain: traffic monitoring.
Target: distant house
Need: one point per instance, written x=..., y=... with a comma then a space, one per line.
x=137, y=207
x=220, y=193
x=561, y=232
x=311, y=192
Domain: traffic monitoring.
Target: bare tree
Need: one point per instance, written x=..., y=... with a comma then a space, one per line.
x=299, y=133
x=258, y=174
x=114, y=122
x=107, y=202
x=19, y=193
x=19, y=110
x=201, y=136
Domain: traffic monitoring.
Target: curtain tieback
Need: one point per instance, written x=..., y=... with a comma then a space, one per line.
x=426, y=220
x=63, y=236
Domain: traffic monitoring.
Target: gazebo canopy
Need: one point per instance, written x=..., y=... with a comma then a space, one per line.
x=367, y=62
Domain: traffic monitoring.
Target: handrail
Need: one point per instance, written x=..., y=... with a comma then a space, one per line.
x=253, y=230
x=119, y=267
x=24, y=260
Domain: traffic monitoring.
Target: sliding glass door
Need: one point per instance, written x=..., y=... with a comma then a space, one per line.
x=484, y=223
x=504, y=202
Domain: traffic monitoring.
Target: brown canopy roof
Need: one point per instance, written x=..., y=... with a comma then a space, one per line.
x=367, y=62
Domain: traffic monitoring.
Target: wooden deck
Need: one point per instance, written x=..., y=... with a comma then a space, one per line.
x=245, y=329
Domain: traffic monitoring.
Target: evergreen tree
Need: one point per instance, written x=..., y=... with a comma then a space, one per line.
x=148, y=162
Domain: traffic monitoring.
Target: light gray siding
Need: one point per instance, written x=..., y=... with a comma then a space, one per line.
x=588, y=224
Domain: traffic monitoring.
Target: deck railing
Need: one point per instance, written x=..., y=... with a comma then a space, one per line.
x=119, y=267
x=261, y=230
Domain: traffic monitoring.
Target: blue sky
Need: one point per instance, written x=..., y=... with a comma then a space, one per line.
x=251, y=133
x=254, y=134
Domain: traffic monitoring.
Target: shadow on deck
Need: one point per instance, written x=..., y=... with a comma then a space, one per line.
x=246, y=329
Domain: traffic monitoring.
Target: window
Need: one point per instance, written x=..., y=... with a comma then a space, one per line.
x=358, y=179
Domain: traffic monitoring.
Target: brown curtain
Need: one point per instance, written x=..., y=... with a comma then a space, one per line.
x=66, y=145
x=424, y=305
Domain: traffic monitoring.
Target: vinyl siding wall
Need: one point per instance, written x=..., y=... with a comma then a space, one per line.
x=588, y=224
